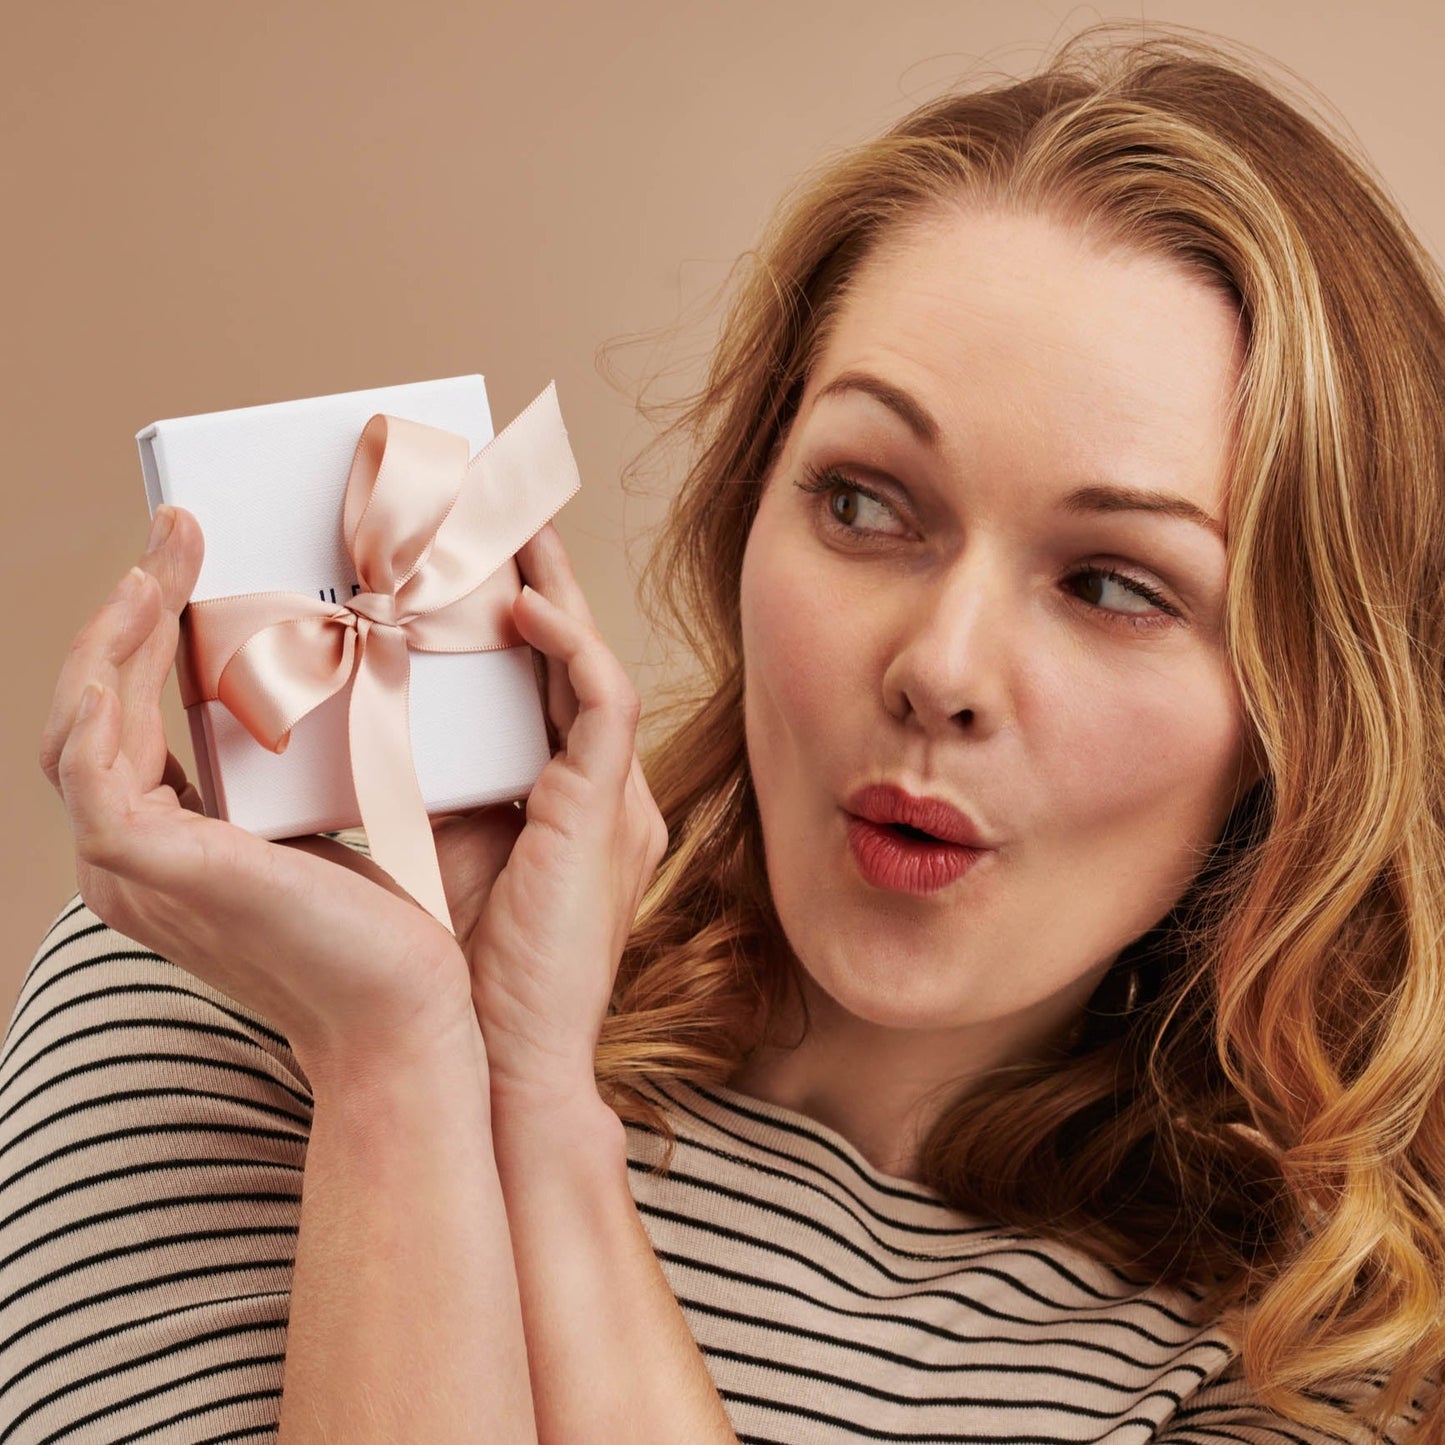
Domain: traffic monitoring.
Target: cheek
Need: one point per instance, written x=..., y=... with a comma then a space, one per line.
x=1153, y=765
x=803, y=687
x=801, y=650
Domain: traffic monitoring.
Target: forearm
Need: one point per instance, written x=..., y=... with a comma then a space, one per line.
x=611, y=1355
x=405, y=1320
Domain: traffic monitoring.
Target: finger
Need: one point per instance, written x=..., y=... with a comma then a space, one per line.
x=126, y=840
x=545, y=566
x=99, y=784
x=99, y=650
x=648, y=823
x=560, y=702
x=601, y=740
x=639, y=800
x=173, y=559
x=101, y=793
x=93, y=788
x=174, y=777
x=173, y=556
x=472, y=848
x=130, y=643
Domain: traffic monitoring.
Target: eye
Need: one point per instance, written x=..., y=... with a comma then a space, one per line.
x=834, y=488
x=844, y=500
x=1163, y=612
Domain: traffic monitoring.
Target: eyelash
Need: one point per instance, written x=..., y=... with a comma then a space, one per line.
x=831, y=480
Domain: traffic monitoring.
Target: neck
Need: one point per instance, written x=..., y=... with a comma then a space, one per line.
x=883, y=1089
x=880, y=1088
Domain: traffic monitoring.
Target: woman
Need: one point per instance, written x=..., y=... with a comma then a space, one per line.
x=1014, y=1018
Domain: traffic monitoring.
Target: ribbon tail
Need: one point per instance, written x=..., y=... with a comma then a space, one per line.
x=393, y=811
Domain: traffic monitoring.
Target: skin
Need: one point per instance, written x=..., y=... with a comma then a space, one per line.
x=541, y=898
x=948, y=646
x=952, y=656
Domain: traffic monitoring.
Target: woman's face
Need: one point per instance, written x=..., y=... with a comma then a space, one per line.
x=926, y=621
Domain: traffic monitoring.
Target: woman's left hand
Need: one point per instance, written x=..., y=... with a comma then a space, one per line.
x=543, y=902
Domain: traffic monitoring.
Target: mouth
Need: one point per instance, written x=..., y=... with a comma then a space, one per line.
x=899, y=858
x=915, y=818
x=917, y=835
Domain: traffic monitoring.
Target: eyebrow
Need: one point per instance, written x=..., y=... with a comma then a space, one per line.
x=1094, y=497
x=918, y=421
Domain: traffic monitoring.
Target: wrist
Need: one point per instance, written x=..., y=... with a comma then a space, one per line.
x=620, y=1359
x=544, y=1130
x=368, y=1074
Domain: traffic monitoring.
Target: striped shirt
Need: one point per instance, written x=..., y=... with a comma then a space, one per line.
x=152, y=1141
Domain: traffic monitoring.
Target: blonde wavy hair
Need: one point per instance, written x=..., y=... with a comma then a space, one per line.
x=1253, y=1108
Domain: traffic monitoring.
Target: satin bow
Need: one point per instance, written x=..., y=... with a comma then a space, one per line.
x=432, y=537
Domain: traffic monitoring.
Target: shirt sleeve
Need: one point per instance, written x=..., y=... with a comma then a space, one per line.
x=152, y=1143
x=1223, y=1410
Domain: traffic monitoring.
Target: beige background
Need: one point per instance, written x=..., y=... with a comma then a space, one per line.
x=209, y=206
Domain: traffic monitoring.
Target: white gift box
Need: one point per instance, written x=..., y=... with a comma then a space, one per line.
x=267, y=483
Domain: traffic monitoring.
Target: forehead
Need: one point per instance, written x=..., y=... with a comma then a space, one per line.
x=1028, y=338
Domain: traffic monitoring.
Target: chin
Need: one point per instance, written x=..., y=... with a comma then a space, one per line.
x=899, y=993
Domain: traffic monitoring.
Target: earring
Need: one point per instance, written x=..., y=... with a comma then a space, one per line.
x=1131, y=996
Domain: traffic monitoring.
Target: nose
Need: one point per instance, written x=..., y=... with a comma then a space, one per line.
x=948, y=660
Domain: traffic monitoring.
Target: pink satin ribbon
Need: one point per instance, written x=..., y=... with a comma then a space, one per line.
x=432, y=536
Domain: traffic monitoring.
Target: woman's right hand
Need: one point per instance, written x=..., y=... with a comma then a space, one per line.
x=348, y=966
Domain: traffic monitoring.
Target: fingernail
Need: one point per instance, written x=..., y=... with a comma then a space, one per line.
x=161, y=525
x=128, y=584
x=88, y=700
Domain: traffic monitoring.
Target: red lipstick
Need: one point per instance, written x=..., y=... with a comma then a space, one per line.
x=908, y=844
